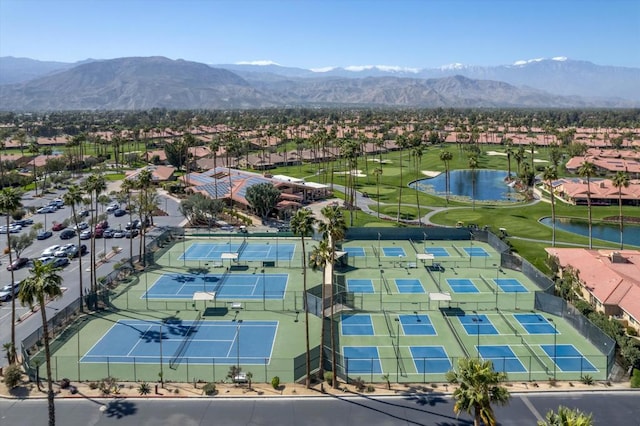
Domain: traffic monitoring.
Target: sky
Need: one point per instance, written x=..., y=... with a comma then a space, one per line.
x=325, y=33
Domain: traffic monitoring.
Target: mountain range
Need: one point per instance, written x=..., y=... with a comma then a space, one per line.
x=150, y=82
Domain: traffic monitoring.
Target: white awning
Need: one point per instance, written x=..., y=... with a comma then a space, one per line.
x=229, y=256
x=438, y=297
x=203, y=295
x=425, y=256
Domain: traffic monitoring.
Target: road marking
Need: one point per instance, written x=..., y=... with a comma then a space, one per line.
x=531, y=408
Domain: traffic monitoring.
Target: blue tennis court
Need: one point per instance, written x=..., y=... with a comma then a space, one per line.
x=357, y=325
x=511, y=285
x=502, y=357
x=222, y=342
x=535, y=324
x=476, y=252
x=354, y=251
x=362, y=359
x=360, y=286
x=226, y=286
x=568, y=358
x=477, y=324
x=246, y=251
x=437, y=251
x=430, y=359
x=393, y=252
x=409, y=286
x=417, y=325
x=462, y=285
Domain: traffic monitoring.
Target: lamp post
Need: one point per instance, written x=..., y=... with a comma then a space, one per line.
x=555, y=346
x=470, y=248
x=379, y=247
x=264, y=292
x=398, y=349
x=238, y=344
x=424, y=241
x=477, y=320
x=161, y=370
x=381, y=282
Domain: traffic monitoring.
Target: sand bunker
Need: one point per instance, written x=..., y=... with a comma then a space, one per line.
x=430, y=174
x=496, y=153
x=356, y=173
x=377, y=160
x=540, y=161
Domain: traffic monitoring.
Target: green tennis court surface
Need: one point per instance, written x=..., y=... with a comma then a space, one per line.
x=226, y=286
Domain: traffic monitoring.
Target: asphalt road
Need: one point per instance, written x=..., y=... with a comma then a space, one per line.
x=70, y=272
x=610, y=408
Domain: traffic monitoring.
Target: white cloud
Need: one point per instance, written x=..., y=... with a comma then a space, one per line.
x=560, y=58
x=528, y=61
x=454, y=66
x=260, y=63
x=386, y=68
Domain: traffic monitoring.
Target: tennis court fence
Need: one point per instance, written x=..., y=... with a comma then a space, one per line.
x=414, y=246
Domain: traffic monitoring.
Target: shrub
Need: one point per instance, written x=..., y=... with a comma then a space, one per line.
x=93, y=385
x=209, y=389
x=631, y=331
x=359, y=384
x=144, y=388
x=65, y=383
x=635, y=379
x=587, y=380
x=275, y=382
x=328, y=377
x=371, y=388
x=12, y=376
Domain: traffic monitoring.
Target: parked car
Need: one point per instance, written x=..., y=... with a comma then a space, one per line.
x=14, y=229
x=98, y=232
x=133, y=225
x=119, y=213
x=50, y=250
x=64, y=250
x=18, y=263
x=58, y=262
x=118, y=234
x=113, y=207
x=131, y=233
x=108, y=233
x=22, y=222
x=81, y=226
x=58, y=202
x=83, y=213
x=67, y=234
x=85, y=235
x=58, y=226
x=43, y=235
x=46, y=209
x=9, y=291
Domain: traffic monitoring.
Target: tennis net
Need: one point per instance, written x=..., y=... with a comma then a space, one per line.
x=387, y=319
x=223, y=279
x=457, y=336
x=413, y=245
x=486, y=281
x=511, y=326
x=535, y=355
x=399, y=360
x=386, y=284
x=191, y=331
x=375, y=252
x=460, y=253
x=242, y=247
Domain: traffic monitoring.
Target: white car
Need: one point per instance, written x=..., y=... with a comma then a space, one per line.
x=80, y=226
x=46, y=209
x=64, y=250
x=8, y=291
x=85, y=235
x=50, y=250
x=113, y=207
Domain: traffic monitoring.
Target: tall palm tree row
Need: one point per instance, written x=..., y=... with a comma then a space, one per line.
x=74, y=198
x=10, y=201
x=621, y=180
x=417, y=152
x=479, y=386
x=95, y=184
x=333, y=229
x=446, y=157
x=549, y=175
x=319, y=258
x=43, y=284
x=302, y=226
x=587, y=170
x=473, y=165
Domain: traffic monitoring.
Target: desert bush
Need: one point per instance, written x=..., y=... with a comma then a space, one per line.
x=209, y=389
x=275, y=382
x=12, y=376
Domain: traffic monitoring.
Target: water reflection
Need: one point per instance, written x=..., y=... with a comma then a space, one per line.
x=601, y=231
x=489, y=185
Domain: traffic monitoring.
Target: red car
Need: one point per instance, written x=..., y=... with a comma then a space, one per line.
x=58, y=226
x=18, y=263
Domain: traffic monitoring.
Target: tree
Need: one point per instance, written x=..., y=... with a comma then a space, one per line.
x=587, y=170
x=263, y=197
x=34, y=149
x=199, y=209
x=473, y=165
x=43, y=283
x=446, y=157
x=377, y=172
x=73, y=198
x=567, y=417
x=621, y=180
x=319, y=258
x=22, y=242
x=549, y=176
x=10, y=201
x=95, y=184
x=402, y=143
x=333, y=229
x=479, y=386
x=417, y=153
x=302, y=226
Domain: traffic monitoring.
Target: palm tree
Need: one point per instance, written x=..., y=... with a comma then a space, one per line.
x=34, y=149
x=95, y=185
x=319, y=258
x=43, y=283
x=549, y=176
x=621, y=180
x=417, y=155
x=333, y=230
x=10, y=201
x=567, y=417
x=402, y=142
x=473, y=165
x=73, y=198
x=479, y=386
x=302, y=225
x=446, y=157
x=143, y=183
x=587, y=170
x=377, y=172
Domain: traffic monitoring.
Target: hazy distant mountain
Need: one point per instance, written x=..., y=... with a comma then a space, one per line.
x=560, y=76
x=157, y=82
x=17, y=70
x=134, y=83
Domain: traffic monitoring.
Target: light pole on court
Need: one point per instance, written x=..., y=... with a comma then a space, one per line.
x=381, y=282
x=424, y=234
x=264, y=292
x=379, y=247
x=238, y=344
x=161, y=360
x=555, y=345
x=397, y=320
x=470, y=248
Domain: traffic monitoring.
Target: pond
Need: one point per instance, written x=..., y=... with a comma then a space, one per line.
x=601, y=231
x=490, y=185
